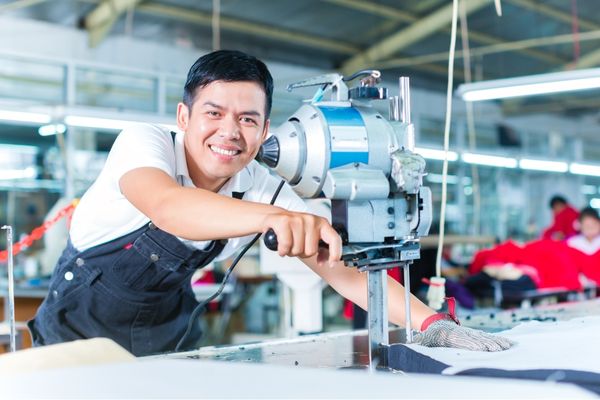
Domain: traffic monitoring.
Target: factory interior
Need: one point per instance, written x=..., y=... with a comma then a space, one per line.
x=415, y=216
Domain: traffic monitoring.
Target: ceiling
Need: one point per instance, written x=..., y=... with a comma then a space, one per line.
x=409, y=37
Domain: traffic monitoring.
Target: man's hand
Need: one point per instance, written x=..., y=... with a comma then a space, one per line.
x=298, y=235
x=445, y=333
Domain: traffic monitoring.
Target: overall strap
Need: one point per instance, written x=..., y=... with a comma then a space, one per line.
x=216, y=246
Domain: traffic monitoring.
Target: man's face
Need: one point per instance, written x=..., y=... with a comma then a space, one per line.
x=223, y=131
x=558, y=207
x=590, y=227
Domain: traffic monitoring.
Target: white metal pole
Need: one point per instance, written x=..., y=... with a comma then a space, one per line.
x=11, y=287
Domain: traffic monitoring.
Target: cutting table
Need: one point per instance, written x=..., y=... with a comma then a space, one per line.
x=350, y=349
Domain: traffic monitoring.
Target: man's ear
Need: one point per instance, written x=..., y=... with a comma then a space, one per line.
x=265, y=130
x=183, y=116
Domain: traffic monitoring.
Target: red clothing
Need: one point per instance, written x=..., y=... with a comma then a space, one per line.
x=554, y=264
x=551, y=259
x=507, y=252
x=588, y=264
x=563, y=225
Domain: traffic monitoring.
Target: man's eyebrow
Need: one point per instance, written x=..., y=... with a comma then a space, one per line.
x=210, y=103
x=248, y=112
x=251, y=112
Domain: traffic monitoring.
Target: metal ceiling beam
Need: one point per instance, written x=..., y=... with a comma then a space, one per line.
x=540, y=55
x=256, y=29
x=101, y=19
x=401, y=16
x=15, y=5
x=375, y=9
x=589, y=60
x=492, y=49
x=419, y=30
x=559, y=15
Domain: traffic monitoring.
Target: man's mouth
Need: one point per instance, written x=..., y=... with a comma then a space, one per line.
x=224, y=152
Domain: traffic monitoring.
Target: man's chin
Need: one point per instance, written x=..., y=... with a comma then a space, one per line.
x=226, y=173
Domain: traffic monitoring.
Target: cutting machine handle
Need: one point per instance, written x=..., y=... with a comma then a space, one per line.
x=270, y=240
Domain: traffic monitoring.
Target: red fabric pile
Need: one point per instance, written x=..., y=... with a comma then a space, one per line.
x=557, y=264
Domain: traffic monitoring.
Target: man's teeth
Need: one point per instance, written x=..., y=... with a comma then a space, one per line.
x=223, y=151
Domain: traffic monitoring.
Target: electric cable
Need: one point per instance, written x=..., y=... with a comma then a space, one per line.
x=472, y=134
x=198, y=309
x=438, y=259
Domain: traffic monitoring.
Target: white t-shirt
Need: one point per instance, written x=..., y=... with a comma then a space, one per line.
x=580, y=243
x=104, y=214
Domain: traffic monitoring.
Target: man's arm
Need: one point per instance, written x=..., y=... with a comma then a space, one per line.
x=190, y=213
x=198, y=214
x=353, y=285
x=440, y=333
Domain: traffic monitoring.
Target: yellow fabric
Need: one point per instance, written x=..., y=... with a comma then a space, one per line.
x=70, y=354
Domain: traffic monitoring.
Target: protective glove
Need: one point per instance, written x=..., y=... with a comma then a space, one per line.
x=445, y=333
x=444, y=330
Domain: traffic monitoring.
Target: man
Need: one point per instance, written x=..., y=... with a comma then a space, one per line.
x=565, y=217
x=165, y=204
x=586, y=246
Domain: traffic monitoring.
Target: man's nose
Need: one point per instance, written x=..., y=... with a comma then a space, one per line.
x=230, y=129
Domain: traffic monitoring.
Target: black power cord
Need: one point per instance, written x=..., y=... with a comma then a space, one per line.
x=198, y=309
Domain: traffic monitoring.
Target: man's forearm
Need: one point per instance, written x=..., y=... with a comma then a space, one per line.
x=213, y=215
x=353, y=285
x=396, y=302
x=191, y=213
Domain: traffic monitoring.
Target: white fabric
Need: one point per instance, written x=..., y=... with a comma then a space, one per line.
x=104, y=214
x=580, y=243
x=569, y=344
x=161, y=378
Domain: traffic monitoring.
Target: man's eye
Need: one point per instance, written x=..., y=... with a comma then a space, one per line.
x=248, y=120
x=213, y=113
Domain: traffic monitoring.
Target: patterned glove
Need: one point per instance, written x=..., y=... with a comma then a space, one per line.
x=444, y=330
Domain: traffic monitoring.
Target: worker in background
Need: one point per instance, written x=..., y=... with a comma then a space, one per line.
x=565, y=217
x=588, y=240
x=166, y=204
x=586, y=246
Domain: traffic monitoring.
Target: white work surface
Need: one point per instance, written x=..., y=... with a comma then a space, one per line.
x=569, y=344
x=176, y=379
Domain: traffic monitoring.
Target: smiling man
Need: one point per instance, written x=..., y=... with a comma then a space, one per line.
x=166, y=204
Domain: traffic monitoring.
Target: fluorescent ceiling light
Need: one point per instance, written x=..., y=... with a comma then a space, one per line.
x=492, y=161
x=17, y=149
x=29, y=172
x=450, y=179
x=100, y=123
x=51, y=129
x=588, y=189
x=433, y=154
x=556, y=82
x=595, y=202
x=543, y=165
x=20, y=116
x=585, y=169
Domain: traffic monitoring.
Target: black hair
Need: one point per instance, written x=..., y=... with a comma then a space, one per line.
x=588, y=212
x=555, y=200
x=228, y=66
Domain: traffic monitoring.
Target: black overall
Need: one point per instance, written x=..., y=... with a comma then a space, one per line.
x=134, y=290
